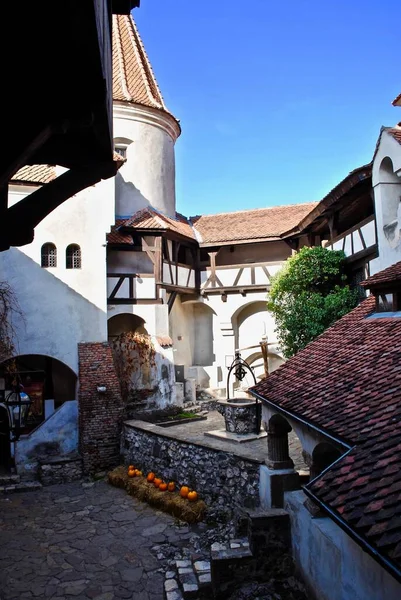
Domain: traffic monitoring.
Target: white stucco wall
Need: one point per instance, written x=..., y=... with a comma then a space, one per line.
x=62, y=307
x=218, y=337
x=386, y=183
x=148, y=176
x=332, y=564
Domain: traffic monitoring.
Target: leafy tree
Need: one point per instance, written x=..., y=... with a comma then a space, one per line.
x=308, y=295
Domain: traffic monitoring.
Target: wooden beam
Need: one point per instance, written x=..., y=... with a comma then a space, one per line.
x=148, y=251
x=158, y=265
x=19, y=221
x=171, y=300
x=135, y=301
x=117, y=287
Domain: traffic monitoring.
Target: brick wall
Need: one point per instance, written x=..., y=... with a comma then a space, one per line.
x=100, y=414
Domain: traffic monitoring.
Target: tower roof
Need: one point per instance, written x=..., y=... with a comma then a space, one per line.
x=133, y=77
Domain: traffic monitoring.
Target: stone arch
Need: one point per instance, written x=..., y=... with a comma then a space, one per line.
x=48, y=381
x=123, y=323
x=255, y=360
x=323, y=455
x=250, y=323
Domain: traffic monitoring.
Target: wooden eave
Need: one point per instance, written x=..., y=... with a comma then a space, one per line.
x=58, y=109
x=351, y=187
x=214, y=246
x=159, y=232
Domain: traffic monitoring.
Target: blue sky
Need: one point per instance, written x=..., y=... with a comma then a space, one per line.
x=278, y=101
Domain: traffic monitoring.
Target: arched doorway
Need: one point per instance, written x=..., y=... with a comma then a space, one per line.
x=5, y=450
x=123, y=323
x=47, y=381
x=323, y=455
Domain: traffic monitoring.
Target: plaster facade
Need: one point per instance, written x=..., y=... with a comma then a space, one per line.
x=386, y=181
x=332, y=564
x=61, y=306
x=148, y=177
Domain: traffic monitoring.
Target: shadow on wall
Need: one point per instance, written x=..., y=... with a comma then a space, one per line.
x=56, y=317
x=130, y=199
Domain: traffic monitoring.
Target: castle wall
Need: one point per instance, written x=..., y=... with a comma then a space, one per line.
x=148, y=176
x=61, y=306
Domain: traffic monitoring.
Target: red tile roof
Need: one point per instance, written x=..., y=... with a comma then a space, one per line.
x=149, y=218
x=133, y=77
x=397, y=101
x=249, y=225
x=116, y=237
x=389, y=275
x=348, y=384
x=35, y=174
x=395, y=132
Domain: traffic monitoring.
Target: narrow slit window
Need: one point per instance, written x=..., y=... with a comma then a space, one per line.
x=48, y=256
x=73, y=257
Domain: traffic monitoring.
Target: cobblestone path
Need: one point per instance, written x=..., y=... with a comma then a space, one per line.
x=83, y=540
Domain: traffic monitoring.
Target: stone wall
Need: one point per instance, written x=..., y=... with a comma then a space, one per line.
x=222, y=478
x=100, y=413
x=60, y=470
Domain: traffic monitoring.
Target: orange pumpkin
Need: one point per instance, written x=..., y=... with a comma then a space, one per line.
x=157, y=481
x=150, y=477
x=131, y=473
x=138, y=473
x=184, y=491
x=171, y=486
x=163, y=486
x=131, y=468
x=192, y=496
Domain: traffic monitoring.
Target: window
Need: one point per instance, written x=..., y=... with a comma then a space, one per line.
x=73, y=257
x=121, y=150
x=48, y=256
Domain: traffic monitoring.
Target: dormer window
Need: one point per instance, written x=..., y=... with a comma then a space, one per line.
x=385, y=286
x=386, y=302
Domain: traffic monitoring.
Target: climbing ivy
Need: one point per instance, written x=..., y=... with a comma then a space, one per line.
x=134, y=357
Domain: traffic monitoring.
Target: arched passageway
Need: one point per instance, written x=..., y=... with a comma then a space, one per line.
x=43, y=378
x=323, y=455
x=124, y=323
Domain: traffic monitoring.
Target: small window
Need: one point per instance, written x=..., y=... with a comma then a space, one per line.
x=73, y=257
x=48, y=256
x=385, y=303
x=121, y=150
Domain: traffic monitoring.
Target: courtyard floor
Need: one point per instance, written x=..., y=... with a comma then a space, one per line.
x=84, y=540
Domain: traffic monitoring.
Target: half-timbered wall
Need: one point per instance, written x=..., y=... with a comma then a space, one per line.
x=359, y=238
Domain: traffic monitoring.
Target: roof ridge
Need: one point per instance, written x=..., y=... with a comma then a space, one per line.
x=133, y=78
x=120, y=58
x=144, y=60
x=246, y=210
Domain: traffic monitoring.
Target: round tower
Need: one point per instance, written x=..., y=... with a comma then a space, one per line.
x=144, y=130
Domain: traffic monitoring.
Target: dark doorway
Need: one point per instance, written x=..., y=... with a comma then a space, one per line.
x=5, y=454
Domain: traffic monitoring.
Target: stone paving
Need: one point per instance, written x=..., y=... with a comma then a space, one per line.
x=194, y=432
x=84, y=540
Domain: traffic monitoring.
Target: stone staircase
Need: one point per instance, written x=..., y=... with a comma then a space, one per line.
x=188, y=580
x=253, y=557
x=10, y=484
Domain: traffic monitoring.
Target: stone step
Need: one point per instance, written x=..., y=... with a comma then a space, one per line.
x=9, y=479
x=191, y=580
x=23, y=486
